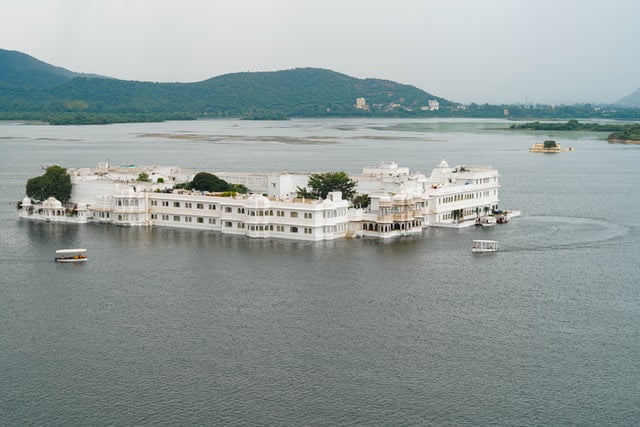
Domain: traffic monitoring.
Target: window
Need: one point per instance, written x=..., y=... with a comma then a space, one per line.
x=293, y=229
x=187, y=205
x=228, y=224
x=176, y=218
x=212, y=207
x=212, y=220
x=200, y=220
x=176, y=204
x=280, y=213
x=307, y=230
x=280, y=228
x=294, y=215
x=227, y=209
x=308, y=215
x=240, y=210
x=154, y=203
x=119, y=202
x=165, y=203
x=165, y=217
x=154, y=216
x=188, y=219
x=199, y=206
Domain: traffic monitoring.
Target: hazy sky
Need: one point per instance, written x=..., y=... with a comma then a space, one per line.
x=548, y=51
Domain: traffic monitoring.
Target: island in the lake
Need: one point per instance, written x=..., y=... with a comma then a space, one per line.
x=627, y=133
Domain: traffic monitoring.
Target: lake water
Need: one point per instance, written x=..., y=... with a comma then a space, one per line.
x=169, y=326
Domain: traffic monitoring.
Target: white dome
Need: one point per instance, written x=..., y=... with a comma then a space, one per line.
x=26, y=201
x=52, y=203
x=257, y=200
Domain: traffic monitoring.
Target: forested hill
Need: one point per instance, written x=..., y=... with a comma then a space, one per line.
x=22, y=70
x=29, y=85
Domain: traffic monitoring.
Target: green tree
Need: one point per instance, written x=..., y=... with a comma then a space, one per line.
x=549, y=144
x=361, y=200
x=55, y=182
x=204, y=181
x=143, y=177
x=321, y=184
x=238, y=188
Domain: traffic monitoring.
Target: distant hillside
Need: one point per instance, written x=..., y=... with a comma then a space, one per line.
x=22, y=70
x=30, y=85
x=632, y=100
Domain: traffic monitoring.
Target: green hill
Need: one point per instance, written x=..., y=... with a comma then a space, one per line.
x=31, y=86
x=22, y=70
x=632, y=100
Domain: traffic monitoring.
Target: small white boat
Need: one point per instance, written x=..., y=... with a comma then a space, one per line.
x=484, y=246
x=486, y=221
x=71, y=255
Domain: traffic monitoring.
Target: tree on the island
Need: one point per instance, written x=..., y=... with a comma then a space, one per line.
x=143, y=177
x=361, y=200
x=238, y=188
x=55, y=182
x=321, y=184
x=204, y=181
x=550, y=144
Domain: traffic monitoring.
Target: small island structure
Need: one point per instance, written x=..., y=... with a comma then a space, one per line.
x=631, y=135
x=549, y=146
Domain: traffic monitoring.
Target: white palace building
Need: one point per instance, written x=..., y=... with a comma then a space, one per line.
x=402, y=202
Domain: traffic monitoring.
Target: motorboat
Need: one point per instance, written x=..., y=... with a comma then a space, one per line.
x=484, y=246
x=71, y=255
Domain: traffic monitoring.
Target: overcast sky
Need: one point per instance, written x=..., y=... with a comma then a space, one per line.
x=547, y=51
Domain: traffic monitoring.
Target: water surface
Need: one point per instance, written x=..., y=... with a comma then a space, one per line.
x=174, y=326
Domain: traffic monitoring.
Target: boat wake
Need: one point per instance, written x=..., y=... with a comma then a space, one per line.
x=552, y=232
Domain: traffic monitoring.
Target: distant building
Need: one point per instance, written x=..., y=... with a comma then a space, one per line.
x=361, y=104
x=505, y=112
x=434, y=105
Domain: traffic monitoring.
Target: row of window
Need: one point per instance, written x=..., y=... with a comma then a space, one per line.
x=128, y=217
x=250, y=212
x=280, y=229
x=466, y=196
x=229, y=224
x=127, y=202
x=465, y=213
